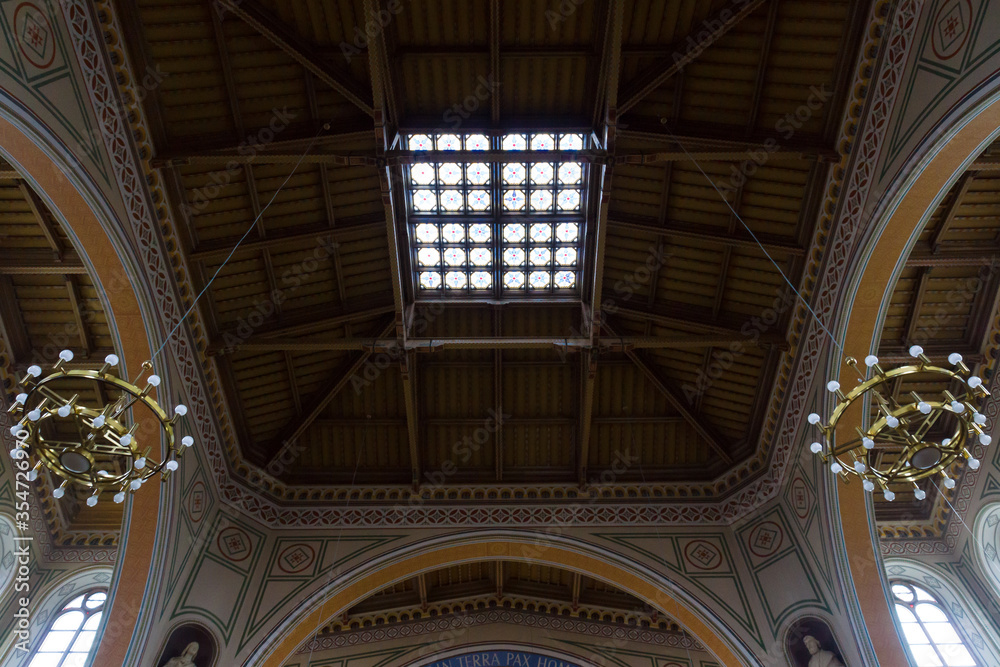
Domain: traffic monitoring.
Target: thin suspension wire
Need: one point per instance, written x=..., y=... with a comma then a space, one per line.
x=253, y=225
x=955, y=512
x=663, y=121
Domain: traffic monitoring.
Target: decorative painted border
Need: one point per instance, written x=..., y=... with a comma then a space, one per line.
x=487, y=617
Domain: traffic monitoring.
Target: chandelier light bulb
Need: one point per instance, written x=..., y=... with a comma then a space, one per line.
x=869, y=485
x=35, y=415
x=974, y=463
x=66, y=355
x=34, y=371
x=16, y=429
x=836, y=468
x=172, y=465
x=949, y=483
x=813, y=418
x=832, y=386
x=33, y=474
x=871, y=360
x=135, y=484
x=140, y=463
x=120, y=497
x=17, y=453
x=985, y=440
x=867, y=442
x=892, y=421
x=154, y=380
x=954, y=358
x=957, y=407
x=924, y=407
x=979, y=418
x=974, y=381
x=60, y=491
x=64, y=410
x=860, y=467
x=180, y=410
x=126, y=439
x=187, y=441
x=99, y=421
x=92, y=500
x=21, y=398
x=111, y=360
x=916, y=351
x=889, y=495
x=919, y=494
x=816, y=447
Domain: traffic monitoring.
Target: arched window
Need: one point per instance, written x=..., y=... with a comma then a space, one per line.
x=932, y=638
x=71, y=634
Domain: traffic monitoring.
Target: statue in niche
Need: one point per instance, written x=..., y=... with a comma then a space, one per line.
x=819, y=657
x=185, y=659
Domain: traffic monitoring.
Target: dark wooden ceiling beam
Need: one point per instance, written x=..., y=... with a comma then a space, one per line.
x=913, y=314
x=765, y=52
x=685, y=52
x=42, y=217
x=495, y=64
x=714, y=137
x=362, y=224
x=716, y=328
x=673, y=396
x=290, y=432
x=29, y=261
x=610, y=73
x=987, y=163
x=649, y=225
x=293, y=323
x=965, y=256
x=286, y=39
x=949, y=217
x=12, y=325
x=76, y=304
x=407, y=370
x=220, y=150
x=393, y=344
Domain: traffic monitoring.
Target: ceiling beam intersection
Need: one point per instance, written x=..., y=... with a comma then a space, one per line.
x=293, y=429
x=952, y=211
x=691, y=47
x=286, y=39
x=673, y=396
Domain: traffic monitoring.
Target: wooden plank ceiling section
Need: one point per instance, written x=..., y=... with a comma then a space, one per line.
x=48, y=303
x=252, y=86
x=946, y=300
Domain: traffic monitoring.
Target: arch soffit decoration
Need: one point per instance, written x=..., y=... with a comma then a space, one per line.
x=951, y=594
x=523, y=647
x=571, y=554
x=986, y=530
x=905, y=209
x=85, y=215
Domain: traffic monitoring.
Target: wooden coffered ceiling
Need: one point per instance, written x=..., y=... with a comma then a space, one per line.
x=459, y=589
x=252, y=84
x=946, y=300
x=48, y=303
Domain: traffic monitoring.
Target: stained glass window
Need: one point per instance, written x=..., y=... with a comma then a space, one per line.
x=927, y=628
x=496, y=225
x=71, y=636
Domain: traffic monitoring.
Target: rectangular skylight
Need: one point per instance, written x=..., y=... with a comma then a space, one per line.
x=462, y=245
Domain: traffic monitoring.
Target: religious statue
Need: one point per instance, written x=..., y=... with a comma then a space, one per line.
x=186, y=659
x=820, y=657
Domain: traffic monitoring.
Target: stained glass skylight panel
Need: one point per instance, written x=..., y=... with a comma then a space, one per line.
x=463, y=245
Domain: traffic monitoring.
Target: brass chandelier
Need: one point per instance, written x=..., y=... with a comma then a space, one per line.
x=90, y=448
x=897, y=446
